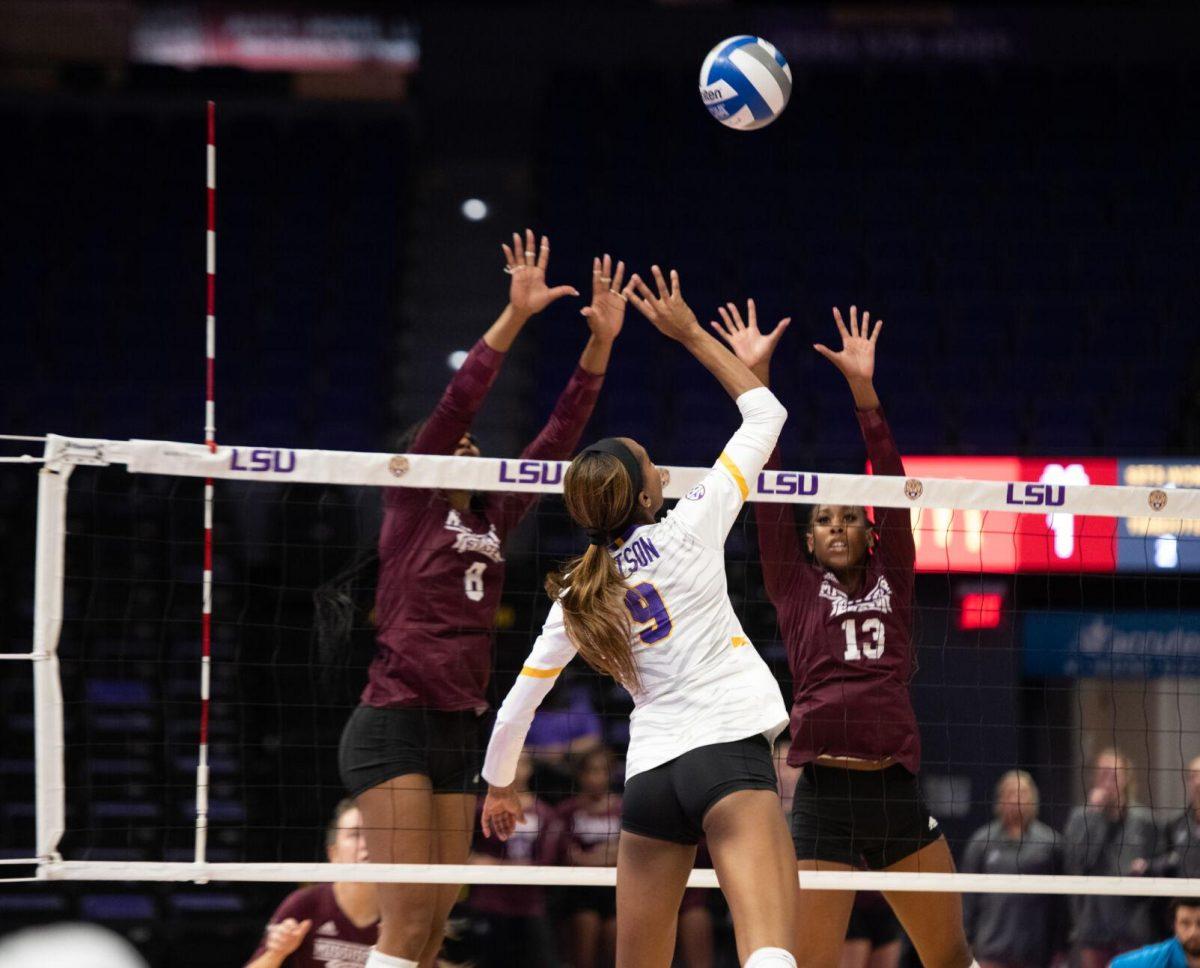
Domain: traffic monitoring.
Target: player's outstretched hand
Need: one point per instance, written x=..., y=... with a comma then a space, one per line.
x=749, y=344
x=856, y=360
x=667, y=311
x=285, y=937
x=606, y=314
x=502, y=811
x=527, y=262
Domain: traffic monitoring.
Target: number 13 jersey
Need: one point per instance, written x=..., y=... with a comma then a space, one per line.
x=851, y=653
x=702, y=682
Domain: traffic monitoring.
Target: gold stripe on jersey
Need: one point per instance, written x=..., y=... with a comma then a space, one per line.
x=540, y=673
x=739, y=640
x=735, y=473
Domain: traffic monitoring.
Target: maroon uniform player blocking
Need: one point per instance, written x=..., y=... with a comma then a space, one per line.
x=441, y=570
x=851, y=657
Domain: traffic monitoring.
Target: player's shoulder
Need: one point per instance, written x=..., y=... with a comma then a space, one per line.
x=304, y=901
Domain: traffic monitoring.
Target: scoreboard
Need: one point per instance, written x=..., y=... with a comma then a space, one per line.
x=1003, y=542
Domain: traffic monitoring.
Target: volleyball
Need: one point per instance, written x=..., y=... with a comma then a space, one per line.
x=745, y=82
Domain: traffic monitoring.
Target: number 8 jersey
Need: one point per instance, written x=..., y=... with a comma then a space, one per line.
x=702, y=682
x=441, y=570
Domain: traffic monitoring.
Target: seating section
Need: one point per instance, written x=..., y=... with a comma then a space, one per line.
x=104, y=271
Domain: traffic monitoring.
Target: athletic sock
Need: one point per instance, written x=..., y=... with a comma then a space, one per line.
x=770, y=958
x=377, y=959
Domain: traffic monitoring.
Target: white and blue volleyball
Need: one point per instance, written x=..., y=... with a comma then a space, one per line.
x=745, y=82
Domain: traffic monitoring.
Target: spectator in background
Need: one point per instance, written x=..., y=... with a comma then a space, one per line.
x=1181, y=839
x=518, y=935
x=1182, y=951
x=1014, y=930
x=326, y=924
x=1110, y=835
x=591, y=826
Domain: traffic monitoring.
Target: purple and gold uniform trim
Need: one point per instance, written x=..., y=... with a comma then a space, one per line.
x=735, y=472
x=535, y=673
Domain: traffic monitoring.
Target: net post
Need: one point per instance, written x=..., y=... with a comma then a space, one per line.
x=210, y=438
x=48, y=735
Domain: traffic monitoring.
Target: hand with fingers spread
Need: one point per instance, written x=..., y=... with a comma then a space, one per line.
x=672, y=317
x=502, y=811
x=606, y=314
x=748, y=342
x=856, y=361
x=526, y=262
x=667, y=311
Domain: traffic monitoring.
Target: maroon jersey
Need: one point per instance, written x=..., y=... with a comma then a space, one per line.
x=584, y=829
x=441, y=571
x=534, y=841
x=333, y=939
x=851, y=657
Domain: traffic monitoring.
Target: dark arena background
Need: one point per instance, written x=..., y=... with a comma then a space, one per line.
x=1014, y=189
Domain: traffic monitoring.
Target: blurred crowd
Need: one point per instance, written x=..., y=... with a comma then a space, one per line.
x=569, y=782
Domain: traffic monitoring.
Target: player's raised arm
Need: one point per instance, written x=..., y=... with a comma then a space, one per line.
x=750, y=344
x=782, y=555
x=711, y=507
x=442, y=432
x=674, y=318
x=605, y=315
x=559, y=437
x=856, y=362
x=856, y=359
x=526, y=261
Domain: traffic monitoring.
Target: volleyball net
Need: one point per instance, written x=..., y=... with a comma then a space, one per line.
x=1037, y=672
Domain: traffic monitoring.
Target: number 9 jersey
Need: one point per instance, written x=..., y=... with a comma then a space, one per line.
x=702, y=682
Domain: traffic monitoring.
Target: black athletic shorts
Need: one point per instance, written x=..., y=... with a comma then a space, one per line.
x=669, y=802
x=871, y=919
x=872, y=818
x=381, y=744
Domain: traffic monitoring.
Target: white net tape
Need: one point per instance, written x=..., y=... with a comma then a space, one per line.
x=545, y=477
x=273, y=464
x=607, y=877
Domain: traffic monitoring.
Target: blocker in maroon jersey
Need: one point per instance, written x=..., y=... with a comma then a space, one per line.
x=850, y=650
x=846, y=617
x=442, y=570
x=410, y=753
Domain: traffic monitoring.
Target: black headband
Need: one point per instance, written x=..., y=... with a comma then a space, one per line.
x=615, y=448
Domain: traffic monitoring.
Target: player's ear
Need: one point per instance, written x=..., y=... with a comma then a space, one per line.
x=808, y=540
x=645, y=500
x=871, y=537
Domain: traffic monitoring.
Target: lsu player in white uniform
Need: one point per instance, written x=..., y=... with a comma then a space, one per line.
x=648, y=604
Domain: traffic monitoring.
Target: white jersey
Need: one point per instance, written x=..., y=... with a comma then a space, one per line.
x=702, y=682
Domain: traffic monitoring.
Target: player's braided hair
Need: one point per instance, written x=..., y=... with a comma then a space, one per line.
x=599, y=495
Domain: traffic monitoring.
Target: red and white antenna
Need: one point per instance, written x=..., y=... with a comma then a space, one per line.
x=210, y=438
